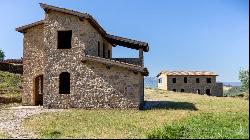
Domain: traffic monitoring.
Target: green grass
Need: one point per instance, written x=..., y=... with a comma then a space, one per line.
x=188, y=115
x=9, y=83
x=10, y=88
x=206, y=126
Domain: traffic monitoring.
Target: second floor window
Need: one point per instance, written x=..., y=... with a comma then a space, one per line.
x=64, y=39
x=160, y=80
x=208, y=80
x=185, y=79
x=197, y=80
x=174, y=80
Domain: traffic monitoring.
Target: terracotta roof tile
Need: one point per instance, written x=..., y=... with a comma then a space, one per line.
x=23, y=28
x=191, y=73
x=133, y=67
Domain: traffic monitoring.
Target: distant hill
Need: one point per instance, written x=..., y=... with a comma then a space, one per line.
x=152, y=83
x=231, y=84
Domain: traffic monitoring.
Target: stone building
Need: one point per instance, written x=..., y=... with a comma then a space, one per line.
x=200, y=82
x=67, y=63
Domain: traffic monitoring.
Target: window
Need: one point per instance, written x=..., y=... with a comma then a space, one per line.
x=185, y=79
x=174, y=80
x=99, y=48
x=197, y=80
x=208, y=92
x=174, y=90
x=64, y=83
x=182, y=90
x=160, y=80
x=208, y=80
x=109, y=54
x=103, y=53
x=64, y=39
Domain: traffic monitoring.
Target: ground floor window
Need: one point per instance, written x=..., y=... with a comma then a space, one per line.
x=182, y=90
x=64, y=83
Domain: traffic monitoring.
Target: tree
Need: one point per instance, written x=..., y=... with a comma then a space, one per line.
x=1, y=55
x=244, y=78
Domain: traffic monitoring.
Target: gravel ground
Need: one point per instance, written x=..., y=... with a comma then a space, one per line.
x=11, y=120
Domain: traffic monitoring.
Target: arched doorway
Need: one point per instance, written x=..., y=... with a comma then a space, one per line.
x=198, y=91
x=208, y=92
x=38, y=90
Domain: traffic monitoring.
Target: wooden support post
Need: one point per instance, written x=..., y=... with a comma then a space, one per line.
x=141, y=56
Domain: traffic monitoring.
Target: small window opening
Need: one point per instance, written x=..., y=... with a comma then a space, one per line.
x=185, y=79
x=64, y=83
x=197, y=80
x=64, y=39
x=182, y=90
x=174, y=80
x=208, y=80
x=160, y=80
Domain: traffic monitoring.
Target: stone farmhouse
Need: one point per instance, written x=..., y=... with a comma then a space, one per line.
x=68, y=63
x=199, y=82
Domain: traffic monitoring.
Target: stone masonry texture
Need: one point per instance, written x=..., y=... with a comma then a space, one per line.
x=92, y=84
x=191, y=86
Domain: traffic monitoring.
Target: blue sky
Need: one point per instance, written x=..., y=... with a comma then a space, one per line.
x=182, y=34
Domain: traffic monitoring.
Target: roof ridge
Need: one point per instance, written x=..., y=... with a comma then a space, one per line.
x=118, y=63
x=112, y=60
x=189, y=72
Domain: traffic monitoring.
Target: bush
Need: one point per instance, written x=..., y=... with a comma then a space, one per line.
x=244, y=78
x=234, y=91
x=169, y=132
x=1, y=55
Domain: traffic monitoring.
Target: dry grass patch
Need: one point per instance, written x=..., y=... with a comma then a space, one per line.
x=3, y=135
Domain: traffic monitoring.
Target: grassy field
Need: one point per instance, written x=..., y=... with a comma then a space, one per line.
x=167, y=115
x=10, y=88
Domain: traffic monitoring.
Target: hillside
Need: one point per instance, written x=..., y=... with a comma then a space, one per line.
x=10, y=88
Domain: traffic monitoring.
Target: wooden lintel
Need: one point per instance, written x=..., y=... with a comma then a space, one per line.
x=81, y=18
x=83, y=60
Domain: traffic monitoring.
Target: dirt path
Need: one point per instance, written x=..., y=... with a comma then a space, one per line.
x=11, y=120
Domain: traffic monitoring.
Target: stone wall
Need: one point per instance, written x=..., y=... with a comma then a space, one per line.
x=92, y=84
x=163, y=83
x=33, y=54
x=191, y=86
x=95, y=86
x=136, y=61
x=12, y=68
x=219, y=89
